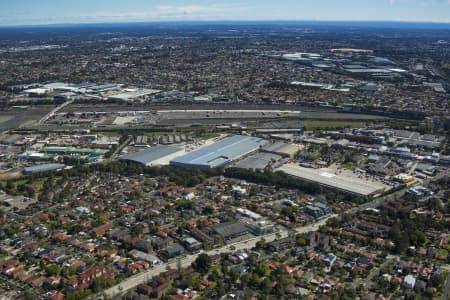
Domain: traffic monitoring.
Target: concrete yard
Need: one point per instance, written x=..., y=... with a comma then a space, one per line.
x=123, y=120
x=257, y=161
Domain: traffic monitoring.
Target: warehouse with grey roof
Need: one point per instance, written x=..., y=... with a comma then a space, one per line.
x=42, y=168
x=158, y=155
x=220, y=153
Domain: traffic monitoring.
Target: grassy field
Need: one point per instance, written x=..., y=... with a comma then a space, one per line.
x=330, y=124
x=333, y=124
x=36, y=184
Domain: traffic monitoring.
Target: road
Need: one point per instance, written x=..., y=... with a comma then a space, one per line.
x=120, y=147
x=446, y=294
x=54, y=111
x=314, y=226
x=413, y=168
x=367, y=282
x=116, y=152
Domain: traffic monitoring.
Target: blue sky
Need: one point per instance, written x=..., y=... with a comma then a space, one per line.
x=20, y=12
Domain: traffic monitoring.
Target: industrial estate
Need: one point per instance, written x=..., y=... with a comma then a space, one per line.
x=225, y=161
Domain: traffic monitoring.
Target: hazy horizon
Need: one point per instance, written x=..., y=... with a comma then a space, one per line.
x=49, y=12
x=342, y=23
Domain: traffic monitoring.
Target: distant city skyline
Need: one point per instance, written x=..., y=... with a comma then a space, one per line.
x=32, y=12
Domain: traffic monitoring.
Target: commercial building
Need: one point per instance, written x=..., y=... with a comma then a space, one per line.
x=404, y=178
x=192, y=244
x=318, y=210
x=103, y=88
x=415, y=139
x=141, y=141
x=279, y=130
x=74, y=151
x=220, y=153
x=42, y=168
x=261, y=227
x=150, y=258
x=341, y=181
x=231, y=231
x=158, y=155
x=133, y=94
x=420, y=192
x=301, y=56
x=282, y=244
x=173, y=250
x=248, y=213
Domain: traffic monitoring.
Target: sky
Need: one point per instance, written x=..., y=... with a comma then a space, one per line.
x=33, y=12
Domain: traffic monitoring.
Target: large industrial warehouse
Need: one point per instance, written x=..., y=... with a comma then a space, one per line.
x=220, y=153
x=339, y=181
x=158, y=155
x=42, y=168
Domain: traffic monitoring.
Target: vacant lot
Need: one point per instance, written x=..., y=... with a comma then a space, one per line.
x=14, y=118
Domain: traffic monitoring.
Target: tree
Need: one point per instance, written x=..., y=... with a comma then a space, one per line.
x=28, y=296
x=29, y=191
x=300, y=241
x=266, y=285
x=202, y=263
x=436, y=280
x=261, y=244
x=262, y=270
x=208, y=210
x=192, y=281
x=52, y=270
x=220, y=288
x=68, y=272
x=9, y=187
x=78, y=295
x=420, y=238
x=101, y=284
x=248, y=294
x=103, y=219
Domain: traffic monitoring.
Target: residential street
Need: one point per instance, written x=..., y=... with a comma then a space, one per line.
x=134, y=281
x=186, y=261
